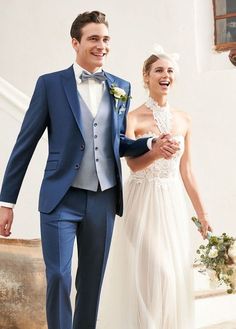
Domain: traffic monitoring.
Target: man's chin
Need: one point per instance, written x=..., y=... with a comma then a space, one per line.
x=100, y=61
x=99, y=64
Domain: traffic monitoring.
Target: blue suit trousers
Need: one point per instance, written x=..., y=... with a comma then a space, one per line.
x=88, y=217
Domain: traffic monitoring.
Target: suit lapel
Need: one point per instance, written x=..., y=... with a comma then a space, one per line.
x=109, y=82
x=69, y=84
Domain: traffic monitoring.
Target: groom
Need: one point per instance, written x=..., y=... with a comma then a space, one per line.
x=82, y=186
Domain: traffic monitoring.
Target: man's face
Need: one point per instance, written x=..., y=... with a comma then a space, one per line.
x=93, y=46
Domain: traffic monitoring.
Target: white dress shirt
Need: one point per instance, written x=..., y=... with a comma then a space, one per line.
x=91, y=91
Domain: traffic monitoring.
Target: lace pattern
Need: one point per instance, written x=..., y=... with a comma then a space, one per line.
x=161, y=171
x=162, y=115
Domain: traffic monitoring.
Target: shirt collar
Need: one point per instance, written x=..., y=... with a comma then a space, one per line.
x=78, y=70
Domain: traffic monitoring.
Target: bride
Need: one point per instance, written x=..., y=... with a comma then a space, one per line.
x=147, y=284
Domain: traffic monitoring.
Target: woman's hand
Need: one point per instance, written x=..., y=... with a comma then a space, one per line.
x=205, y=226
x=165, y=146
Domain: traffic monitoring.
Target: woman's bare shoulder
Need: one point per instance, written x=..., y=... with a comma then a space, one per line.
x=182, y=115
x=136, y=113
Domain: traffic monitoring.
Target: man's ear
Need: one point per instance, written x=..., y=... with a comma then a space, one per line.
x=75, y=44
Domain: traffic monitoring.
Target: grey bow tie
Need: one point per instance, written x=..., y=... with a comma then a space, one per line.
x=99, y=76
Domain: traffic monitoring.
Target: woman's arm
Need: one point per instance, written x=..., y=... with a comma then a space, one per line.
x=191, y=184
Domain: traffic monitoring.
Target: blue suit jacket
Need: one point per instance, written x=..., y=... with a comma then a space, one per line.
x=54, y=105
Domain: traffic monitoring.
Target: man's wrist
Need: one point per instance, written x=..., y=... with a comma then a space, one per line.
x=7, y=204
x=150, y=141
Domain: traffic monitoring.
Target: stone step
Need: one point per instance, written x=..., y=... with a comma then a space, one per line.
x=203, y=288
x=214, y=311
x=214, y=308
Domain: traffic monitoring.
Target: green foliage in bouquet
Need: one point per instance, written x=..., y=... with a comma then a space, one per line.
x=217, y=257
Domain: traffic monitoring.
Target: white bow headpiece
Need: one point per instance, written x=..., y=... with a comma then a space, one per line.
x=159, y=51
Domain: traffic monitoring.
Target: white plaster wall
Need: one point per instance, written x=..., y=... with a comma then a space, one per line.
x=34, y=38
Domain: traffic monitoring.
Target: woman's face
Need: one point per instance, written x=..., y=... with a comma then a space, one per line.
x=161, y=77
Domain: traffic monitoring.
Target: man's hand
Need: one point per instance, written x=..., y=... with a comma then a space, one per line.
x=6, y=219
x=165, y=147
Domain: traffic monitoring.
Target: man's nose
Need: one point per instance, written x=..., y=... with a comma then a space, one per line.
x=100, y=44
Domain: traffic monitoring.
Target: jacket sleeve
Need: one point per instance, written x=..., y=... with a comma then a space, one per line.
x=130, y=147
x=33, y=126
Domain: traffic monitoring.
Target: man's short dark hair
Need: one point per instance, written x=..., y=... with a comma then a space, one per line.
x=84, y=19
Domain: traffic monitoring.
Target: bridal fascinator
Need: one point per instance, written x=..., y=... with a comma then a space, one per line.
x=158, y=51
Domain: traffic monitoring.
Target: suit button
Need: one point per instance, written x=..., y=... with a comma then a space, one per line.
x=77, y=166
x=95, y=136
x=82, y=147
x=95, y=124
x=97, y=160
x=96, y=148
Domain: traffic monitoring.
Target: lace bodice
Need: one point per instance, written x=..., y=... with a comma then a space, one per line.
x=161, y=169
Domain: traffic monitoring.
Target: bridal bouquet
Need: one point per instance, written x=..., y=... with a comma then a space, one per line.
x=218, y=259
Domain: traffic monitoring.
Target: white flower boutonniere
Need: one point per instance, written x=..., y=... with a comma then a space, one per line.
x=119, y=94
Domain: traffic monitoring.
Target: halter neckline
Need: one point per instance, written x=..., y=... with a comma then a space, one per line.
x=161, y=114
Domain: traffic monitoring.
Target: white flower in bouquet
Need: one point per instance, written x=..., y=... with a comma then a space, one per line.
x=213, y=253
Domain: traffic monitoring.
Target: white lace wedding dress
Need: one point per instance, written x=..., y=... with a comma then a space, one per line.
x=147, y=284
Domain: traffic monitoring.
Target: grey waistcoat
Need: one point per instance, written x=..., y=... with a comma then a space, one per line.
x=98, y=163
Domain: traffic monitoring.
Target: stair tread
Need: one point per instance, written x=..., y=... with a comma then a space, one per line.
x=210, y=293
x=223, y=325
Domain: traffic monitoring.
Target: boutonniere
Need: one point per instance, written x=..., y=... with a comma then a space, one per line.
x=119, y=94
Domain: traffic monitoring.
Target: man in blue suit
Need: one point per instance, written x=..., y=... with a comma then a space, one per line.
x=84, y=111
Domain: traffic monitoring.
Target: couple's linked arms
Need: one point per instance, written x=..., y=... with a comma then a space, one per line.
x=162, y=147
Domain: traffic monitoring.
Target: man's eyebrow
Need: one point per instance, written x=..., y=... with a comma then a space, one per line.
x=98, y=36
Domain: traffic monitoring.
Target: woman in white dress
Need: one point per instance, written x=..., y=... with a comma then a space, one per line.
x=148, y=280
